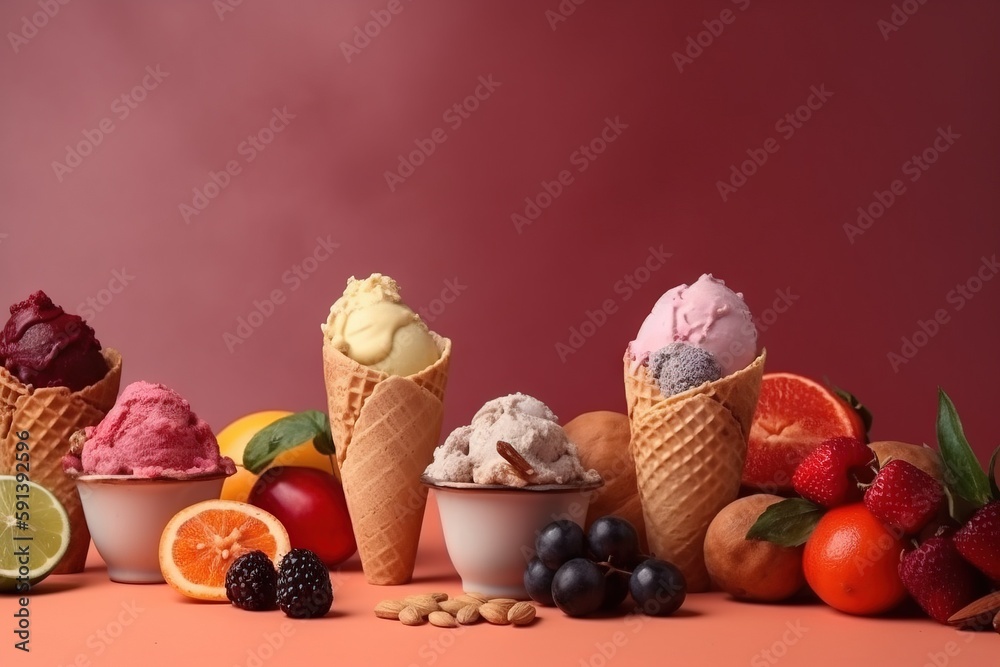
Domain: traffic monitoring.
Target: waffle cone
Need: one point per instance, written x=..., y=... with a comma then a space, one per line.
x=689, y=451
x=51, y=415
x=385, y=429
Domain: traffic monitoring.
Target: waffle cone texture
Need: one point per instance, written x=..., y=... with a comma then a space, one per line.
x=385, y=429
x=50, y=415
x=689, y=451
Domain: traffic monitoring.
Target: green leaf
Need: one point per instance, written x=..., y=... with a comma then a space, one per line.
x=993, y=474
x=962, y=471
x=287, y=433
x=787, y=523
x=856, y=405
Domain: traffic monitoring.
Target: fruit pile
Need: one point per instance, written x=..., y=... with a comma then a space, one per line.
x=872, y=524
x=584, y=574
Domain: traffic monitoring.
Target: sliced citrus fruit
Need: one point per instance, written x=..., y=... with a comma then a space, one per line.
x=794, y=415
x=201, y=541
x=233, y=440
x=34, y=527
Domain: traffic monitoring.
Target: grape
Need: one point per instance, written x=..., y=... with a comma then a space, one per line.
x=658, y=587
x=559, y=542
x=615, y=589
x=538, y=582
x=613, y=540
x=578, y=587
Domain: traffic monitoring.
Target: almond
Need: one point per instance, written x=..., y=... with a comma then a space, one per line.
x=389, y=609
x=504, y=603
x=454, y=606
x=410, y=616
x=439, y=597
x=494, y=613
x=977, y=613
x=442, y=619
x=521, y=613
x=468, y=615
x=477, y=598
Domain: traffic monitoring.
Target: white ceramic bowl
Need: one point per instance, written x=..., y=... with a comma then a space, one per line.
x=126, y=516
x=490, y=531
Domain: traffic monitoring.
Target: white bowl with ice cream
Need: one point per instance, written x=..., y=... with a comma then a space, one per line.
x=500, y=480
x=148, y=459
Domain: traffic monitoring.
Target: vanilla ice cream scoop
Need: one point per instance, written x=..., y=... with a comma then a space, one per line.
x=470, y=453
x=371, y=325
x=706, y=314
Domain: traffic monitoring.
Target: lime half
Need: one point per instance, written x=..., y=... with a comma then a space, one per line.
x=34, y=532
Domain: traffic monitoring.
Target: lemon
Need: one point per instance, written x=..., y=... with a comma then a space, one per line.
x=36, y=530
x=234, y=438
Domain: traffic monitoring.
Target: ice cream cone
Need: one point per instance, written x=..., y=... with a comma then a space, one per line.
x=50, y=415
x=385, y=429
x=689, y=451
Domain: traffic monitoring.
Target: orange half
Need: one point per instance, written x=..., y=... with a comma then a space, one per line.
x=201, y=541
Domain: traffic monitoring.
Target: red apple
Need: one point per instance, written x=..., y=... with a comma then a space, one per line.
x=310, y=504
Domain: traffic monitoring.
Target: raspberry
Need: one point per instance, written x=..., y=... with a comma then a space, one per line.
x=304, y=589
x=252, y=582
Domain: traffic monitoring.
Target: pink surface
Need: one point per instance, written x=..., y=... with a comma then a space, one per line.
x=225, y=306
x=88, y=620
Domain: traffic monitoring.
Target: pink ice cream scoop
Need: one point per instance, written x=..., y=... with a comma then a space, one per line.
x=150, y=432
x=706, y=314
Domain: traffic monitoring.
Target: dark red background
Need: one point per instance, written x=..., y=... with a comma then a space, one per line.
x=655, y=185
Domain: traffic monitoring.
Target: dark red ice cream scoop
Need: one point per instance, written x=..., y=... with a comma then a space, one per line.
x=45, y=346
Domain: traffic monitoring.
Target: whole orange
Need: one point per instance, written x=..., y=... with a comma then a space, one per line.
x=851, y=562
x=234, y=438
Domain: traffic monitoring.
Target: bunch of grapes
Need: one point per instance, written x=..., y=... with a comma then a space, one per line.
x=583, y=574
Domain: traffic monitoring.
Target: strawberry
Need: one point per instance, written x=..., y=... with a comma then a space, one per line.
x=979, y=540
x=939, y=579
x=904, y=497
x=823, y=476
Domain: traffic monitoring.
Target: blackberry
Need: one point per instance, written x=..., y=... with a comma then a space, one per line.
x=252, y=582
x=304, y=589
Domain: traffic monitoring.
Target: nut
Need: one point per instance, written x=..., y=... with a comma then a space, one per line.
x=494, y=613
x=425, y=604
x=442, y=619
x=504, y=603
x=522, y=613
x=411, y=616
x=468, y=615
x=389, y=609
x=454, y=606
x=477, y=598
x=439, y=597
